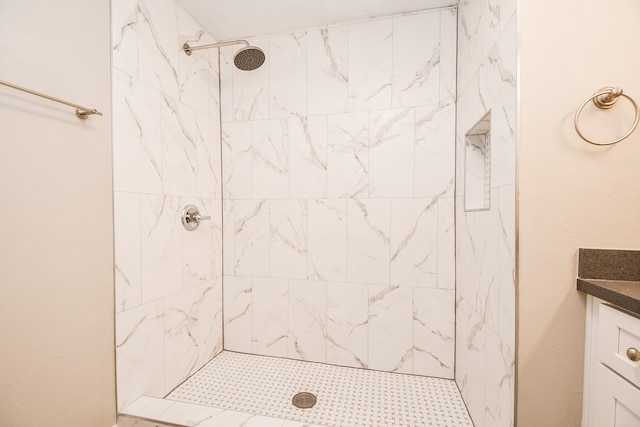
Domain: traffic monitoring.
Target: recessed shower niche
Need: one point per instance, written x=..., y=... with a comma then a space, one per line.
x=477, y=170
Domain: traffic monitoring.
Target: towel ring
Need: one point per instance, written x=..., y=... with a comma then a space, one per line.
x=606, y=98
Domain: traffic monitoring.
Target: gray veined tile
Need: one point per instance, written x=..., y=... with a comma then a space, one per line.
x=327, y=56
x=287, y=75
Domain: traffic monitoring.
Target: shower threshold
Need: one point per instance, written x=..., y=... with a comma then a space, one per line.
x=236, y=389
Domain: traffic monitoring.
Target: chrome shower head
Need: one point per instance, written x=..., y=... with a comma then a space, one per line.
x=249, y=58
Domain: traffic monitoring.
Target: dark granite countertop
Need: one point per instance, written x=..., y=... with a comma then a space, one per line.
x=611, y=275
x=623, y=293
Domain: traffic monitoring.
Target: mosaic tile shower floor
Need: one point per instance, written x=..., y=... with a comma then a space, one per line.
x=346, y=397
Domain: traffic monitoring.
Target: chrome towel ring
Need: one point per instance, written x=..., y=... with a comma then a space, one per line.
x=606, y=98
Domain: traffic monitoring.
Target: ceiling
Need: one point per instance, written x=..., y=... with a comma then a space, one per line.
x=237, y=19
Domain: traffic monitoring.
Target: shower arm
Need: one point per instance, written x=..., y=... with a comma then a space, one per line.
x=188, y=49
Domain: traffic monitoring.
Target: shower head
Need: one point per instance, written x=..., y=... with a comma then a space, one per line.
x=248, y=58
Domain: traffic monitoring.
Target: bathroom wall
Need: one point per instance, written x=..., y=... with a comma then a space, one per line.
x=485, y=240
x=166, y=149
x=56, y=239
x=338, y=187
x=571, y=194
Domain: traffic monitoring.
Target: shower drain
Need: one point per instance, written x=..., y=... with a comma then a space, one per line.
x=304, y=400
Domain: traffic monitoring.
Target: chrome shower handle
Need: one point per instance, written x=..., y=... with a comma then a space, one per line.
x=191, y=217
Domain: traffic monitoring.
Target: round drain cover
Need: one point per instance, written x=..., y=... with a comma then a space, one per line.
x=304, y=400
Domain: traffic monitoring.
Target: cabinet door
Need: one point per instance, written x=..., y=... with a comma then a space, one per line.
x=616, y=402
x=617, y=333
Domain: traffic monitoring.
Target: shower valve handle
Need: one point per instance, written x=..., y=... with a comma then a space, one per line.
x=191, y=217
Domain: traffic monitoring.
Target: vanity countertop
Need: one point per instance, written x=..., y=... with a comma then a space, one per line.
x=623, y=293
x=611, y=275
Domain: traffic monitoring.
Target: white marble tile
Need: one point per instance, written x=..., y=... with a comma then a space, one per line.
x=368, y=243
x=327, y=59
x=270, y=163
x=209, y=163
x=158, y=46
x=179, y=149
x=252, y=238
x=481, y=23
x=434, y=155
x=140, y=352
x=391, y=328
x=180, y=337
x=370, y=65
x=236, y=160
x=126, y=239
x=507, y=14
x=187, y=414
x=161, y=269
x=498, y=73
x=270, y=317
x=433, y=332
x=446, y=244
x=126, y=421
x=308, y=157
x=288, y=75
x=239, y=419
x=463, y=317
x=506, y=265
x=476, y=378
x=124, y=36
x=391, y=153
x=210, y=320
x=466, y=276
x=347, y=324
x=250, y=88
x=289, y=236
x=473, y=104
x=348, y=155
x=197, y=73
x=308, y=320
x=414, y=242
x=228, y=237
x=499, y=388
x=327, y=230
x=448, y=54
x=147, y=407
x=487, y=232
x=237, y=313
x=197, y=245
x=416, y=59
x=216, y=220
x=137, y=141
x=226, y=84
x=475, y=37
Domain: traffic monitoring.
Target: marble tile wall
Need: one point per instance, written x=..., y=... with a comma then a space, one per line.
x=485, y=240
x=166, y=154
x=338, y=159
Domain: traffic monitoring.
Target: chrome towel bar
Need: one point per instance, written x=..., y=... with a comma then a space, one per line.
x=81, y=112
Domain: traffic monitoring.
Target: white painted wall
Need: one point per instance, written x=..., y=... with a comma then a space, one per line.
x=571, y=194
x=56, y=251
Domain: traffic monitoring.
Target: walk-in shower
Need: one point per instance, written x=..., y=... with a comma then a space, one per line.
x=328, y=266
x=248, y=58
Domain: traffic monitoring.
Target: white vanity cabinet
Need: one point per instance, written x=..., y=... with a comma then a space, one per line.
x=612, y=367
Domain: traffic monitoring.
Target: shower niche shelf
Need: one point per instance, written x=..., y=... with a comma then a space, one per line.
x=477, y=166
